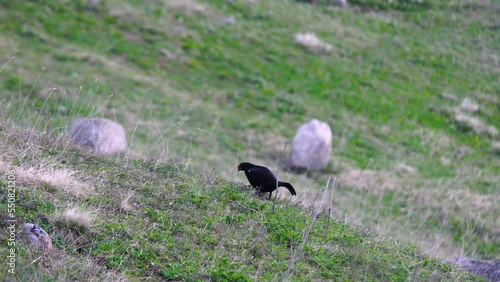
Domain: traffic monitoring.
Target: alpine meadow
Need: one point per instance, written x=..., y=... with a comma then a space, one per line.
x=409, y=88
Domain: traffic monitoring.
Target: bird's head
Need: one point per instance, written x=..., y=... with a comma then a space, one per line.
x=245, y=166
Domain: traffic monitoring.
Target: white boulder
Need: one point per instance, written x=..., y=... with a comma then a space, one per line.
x=312, y=146
x=100, y=134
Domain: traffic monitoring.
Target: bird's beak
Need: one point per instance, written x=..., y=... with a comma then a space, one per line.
x=239, y=168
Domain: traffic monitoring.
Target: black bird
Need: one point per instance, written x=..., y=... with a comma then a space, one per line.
x=263, y=179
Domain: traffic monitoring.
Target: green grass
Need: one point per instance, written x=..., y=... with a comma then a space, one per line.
x=203, y=95
x=193, y=227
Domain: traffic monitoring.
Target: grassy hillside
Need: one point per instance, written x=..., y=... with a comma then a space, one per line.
x=202, y=85
x=114, y=221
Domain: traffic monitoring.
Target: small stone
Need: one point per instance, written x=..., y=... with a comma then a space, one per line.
x=405, y=169
x=229, y=20
x=445, y=161
x=449, y=96
x=492, y=131
x=38, y=237
x=312, y=43
x=469, y=105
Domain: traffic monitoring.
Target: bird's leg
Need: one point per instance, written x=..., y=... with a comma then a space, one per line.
x=270, y=194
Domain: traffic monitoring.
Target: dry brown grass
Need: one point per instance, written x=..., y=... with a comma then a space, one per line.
x=125, y=203
x=57, y=265
x=40, y=172
x=45, y=175
x=77, y=218
x=376, y=182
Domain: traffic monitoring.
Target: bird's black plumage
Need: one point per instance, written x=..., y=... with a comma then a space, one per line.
x=263, y=179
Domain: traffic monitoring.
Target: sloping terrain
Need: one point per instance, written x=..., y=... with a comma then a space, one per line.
x=118, y=221
x=411, y=93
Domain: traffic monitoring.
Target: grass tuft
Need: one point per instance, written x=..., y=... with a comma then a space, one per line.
x=125, y=204
x=78, y=220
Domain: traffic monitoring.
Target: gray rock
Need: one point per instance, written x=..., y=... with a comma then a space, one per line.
x=312, y=146
x=341, y=3
x=469, y=105
x=229, y=20
x=449, y=96
x=38, y=237
x=91, y=4
x=101, y=135
x=488, y=269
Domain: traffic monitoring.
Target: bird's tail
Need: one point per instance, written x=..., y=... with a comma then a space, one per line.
x=287, y=186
